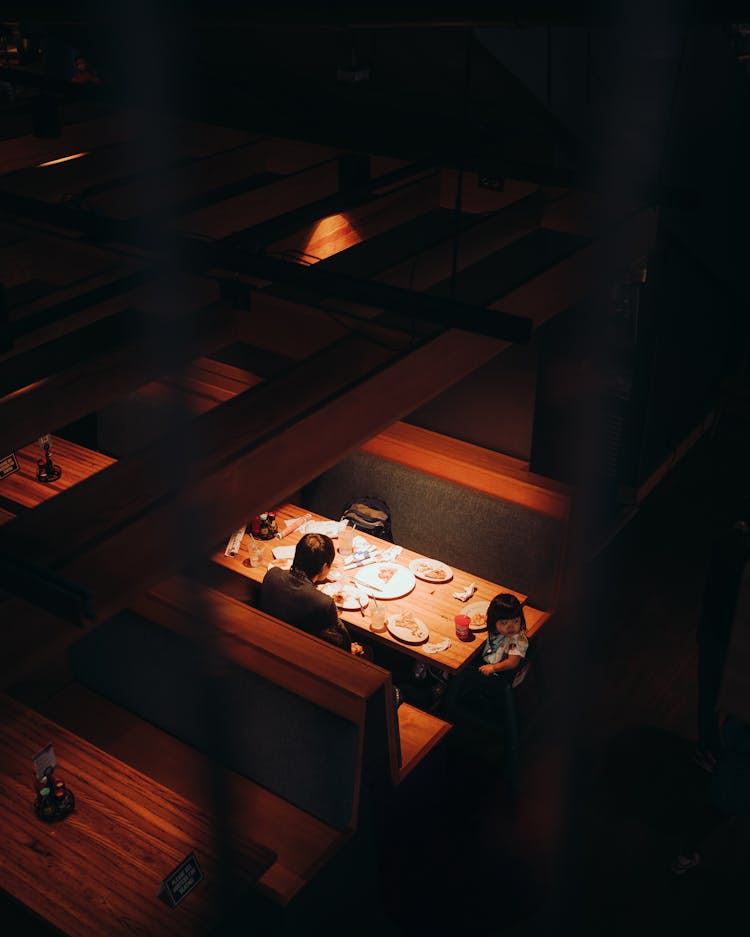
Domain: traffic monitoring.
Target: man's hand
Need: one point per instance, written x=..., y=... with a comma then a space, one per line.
x=487, y=670
x=357, y=648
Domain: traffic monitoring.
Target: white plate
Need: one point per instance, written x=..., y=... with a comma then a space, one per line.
x=474, y=609
x=386, y=580
x=329, y=528
x=345, y=597
x=408, y=628
x=431, y=570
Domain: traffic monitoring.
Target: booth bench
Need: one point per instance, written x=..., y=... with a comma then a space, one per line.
x=465, y=505
x=310, y=729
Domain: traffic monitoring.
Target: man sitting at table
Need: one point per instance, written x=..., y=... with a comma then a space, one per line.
x=291, y=596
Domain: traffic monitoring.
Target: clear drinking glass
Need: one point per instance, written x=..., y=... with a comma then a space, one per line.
x=377, y=617
x=346, y=538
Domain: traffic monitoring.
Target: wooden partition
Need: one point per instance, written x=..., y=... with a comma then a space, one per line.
x=348, y=688
x=492, y=472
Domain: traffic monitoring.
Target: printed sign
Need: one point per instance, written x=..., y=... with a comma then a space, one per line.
x=8, y=465
x=44, y=760
x=179, y=883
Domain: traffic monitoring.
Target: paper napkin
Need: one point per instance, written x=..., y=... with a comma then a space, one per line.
x=283, y=553
x=436, y=647
x=390, y=554
x=467, y=593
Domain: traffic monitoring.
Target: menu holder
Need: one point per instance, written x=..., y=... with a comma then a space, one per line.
x=8, y=465
x=44, y=761
x=181, y=881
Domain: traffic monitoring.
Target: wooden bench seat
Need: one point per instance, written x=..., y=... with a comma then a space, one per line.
x=420, y=732
x=330, y=713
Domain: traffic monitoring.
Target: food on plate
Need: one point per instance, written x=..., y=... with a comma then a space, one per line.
x=407, y=621
x=430, y=571
x=478, y=620
x=386, y=573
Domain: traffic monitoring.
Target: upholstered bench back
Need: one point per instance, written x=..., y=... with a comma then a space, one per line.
x=496, y=539
x=304, y=753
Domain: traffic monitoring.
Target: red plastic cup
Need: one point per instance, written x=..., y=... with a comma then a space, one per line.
x=463, y=632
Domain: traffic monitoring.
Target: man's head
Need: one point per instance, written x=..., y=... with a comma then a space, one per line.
x=314, y=556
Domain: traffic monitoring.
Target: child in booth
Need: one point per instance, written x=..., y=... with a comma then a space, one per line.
x=503, y=653
x=506, y=644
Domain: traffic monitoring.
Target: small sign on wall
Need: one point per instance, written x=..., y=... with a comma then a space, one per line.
x=8, y=465
x=181, y=881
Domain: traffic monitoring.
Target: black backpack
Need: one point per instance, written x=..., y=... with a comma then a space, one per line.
x=371, y=516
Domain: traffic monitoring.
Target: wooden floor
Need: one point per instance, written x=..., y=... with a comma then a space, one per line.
x=608, y=785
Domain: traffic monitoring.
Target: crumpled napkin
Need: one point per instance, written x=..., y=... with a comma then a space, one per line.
x=436, y=647
x=467, y=593
x=359, y=544
x=390, y=554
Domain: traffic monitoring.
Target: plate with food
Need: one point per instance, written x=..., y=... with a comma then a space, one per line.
x=386, y=580
x=346, y=597
x=431, y=570
x=477, y=613
x=408, y=628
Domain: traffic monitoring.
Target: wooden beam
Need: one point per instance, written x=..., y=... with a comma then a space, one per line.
x=295, y=330
x=435, y=310
x=134, y=485
x=576, y=277
x=236, y=214
x=135, y=523
x=94, y=381
x=156, y=188
x=430, y=267
x=412, y=198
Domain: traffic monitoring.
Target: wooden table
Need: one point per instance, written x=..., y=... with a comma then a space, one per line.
x=432, y=602
x=99, y=870
x=22, y=488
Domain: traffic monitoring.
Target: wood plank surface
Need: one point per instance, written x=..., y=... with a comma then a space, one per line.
x=105, y=377
x=77, y=463
x=230, y=215
x=99, y=871
x=432, y=602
